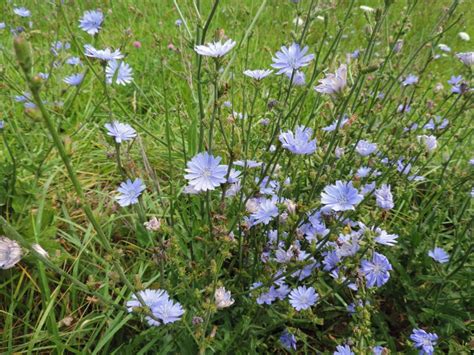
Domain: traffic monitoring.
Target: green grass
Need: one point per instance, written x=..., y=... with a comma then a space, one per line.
x=73, y=302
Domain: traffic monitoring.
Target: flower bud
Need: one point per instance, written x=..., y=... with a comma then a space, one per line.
x=23, y=52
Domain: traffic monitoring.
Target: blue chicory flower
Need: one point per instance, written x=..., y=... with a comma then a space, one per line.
x=376, y=271
x=439, y=255
x=205, y=173
x=129, y=192
x=291, y=58
x=424, y=341
x=91, y=21
x=303, y=297
x=300, y=142
x=341, y=196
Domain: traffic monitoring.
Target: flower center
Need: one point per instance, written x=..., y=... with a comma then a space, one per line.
x=377, y=268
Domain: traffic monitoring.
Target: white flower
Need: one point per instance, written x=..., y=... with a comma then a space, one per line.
x=366, y=8
x=10, y=253
x=216, y=49
x=298, y=21
x=464, y=36
x=223, y=298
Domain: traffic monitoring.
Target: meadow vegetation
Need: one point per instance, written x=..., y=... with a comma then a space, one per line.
x=246, y=176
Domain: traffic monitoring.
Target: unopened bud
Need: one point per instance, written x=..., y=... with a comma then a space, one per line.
x=369, y=69
x=36, y=82
x=23, y=52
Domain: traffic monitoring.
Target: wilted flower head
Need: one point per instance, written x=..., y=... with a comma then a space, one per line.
x=129, y=192
x=288, y=340
x=300, y=142
x=205, y=173
x=153, y=224
x=91, y=21
x=341, y=196
x=258, y=74
x=376, y=271
x=215, y=49
x=118, y=72
x=10, y=253
x=333, y=83
x=439, y=255
x=122, y=132
x=424, y=341
x=467, y=58
x=102, y=54
x=288, y=59
x=223, y=298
